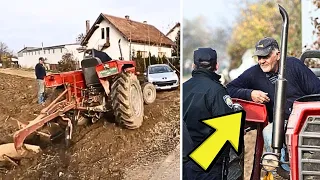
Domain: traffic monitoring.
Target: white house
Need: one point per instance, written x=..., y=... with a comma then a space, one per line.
x=172, y=34
x=28, y=57
x=135, y=37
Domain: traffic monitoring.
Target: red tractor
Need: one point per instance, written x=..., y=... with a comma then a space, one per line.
x=302, y=134
x=102, y=85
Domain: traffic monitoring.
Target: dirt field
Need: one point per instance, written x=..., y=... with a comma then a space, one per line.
x=97, y=152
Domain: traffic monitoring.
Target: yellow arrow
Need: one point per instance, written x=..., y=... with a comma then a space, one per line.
x=229, y=127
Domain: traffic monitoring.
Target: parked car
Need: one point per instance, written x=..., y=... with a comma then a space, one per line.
x=162, y=76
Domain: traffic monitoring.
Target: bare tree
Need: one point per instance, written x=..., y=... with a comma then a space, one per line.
x=4, y=50
x=67, y=63
x=80, y=38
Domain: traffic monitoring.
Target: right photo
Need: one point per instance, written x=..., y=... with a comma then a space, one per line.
x=251, y=90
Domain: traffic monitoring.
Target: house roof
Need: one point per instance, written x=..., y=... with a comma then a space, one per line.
x=26, y=48
x=29, y=49
x=175, y=26
x=139, y=31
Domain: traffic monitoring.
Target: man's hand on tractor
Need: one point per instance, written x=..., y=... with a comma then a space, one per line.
x=259, y=96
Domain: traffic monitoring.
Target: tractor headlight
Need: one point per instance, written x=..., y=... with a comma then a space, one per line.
x=270, y=162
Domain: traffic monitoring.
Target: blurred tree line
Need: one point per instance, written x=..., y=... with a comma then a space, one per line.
x=197, y=33
x=315, y=45
x=261, y=19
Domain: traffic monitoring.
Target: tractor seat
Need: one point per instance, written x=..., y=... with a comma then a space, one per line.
x=88, y=66
x=104, y=57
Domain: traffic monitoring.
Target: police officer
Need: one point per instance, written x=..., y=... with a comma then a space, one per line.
x=204, y=97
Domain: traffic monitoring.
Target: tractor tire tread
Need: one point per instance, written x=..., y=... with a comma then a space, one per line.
x=120, y=98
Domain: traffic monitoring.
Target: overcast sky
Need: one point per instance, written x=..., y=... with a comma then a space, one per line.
x=29, y=23
x=217, y=13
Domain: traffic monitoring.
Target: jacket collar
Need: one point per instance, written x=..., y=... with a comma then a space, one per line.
x=206, y=73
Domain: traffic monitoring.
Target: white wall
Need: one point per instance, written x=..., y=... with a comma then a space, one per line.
x=113, y=51
x=173, y=34
x=152, y=49
x=30, y=58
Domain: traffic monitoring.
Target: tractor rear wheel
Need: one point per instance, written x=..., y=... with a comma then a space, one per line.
x=127, y=101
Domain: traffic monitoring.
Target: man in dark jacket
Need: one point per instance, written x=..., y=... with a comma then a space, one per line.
x=258, y=83
x=204, y=97
x=40, y=72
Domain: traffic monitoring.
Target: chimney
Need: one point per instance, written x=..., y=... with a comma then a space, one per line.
x=87, y=26
x=127, y=17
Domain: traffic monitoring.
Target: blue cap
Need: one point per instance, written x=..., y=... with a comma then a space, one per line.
x=204, y=55
x=265, y=46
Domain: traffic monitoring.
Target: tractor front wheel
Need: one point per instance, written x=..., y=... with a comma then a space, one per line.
x=127, y=100
x=149, y=93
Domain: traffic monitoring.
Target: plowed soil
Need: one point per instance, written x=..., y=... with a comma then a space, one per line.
x=97, y=151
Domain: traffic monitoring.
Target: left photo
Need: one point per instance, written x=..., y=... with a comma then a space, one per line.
x=90, y=90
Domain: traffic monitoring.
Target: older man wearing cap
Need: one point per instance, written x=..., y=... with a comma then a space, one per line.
x=258, y=83
x=40, y=73
x=204, y=97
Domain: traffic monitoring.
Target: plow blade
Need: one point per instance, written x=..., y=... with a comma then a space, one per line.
x=54, y=110
x=8, y=153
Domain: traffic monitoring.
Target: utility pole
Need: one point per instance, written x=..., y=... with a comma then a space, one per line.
x=149, y=54
x=130, y=47
x=144, y=49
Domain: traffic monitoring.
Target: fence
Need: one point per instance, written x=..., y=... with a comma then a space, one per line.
x=143, y=63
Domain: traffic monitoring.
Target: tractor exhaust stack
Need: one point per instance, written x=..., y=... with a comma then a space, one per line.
x=121, y=58
x=281, y=85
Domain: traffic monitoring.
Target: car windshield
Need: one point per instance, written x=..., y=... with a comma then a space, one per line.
x=159, y=69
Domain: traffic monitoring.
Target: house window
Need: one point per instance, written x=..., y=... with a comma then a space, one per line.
x=102, y=33
x=108, y=33
x=52, y=50
x=61, y=50
x=44, y=51
x=161, y=54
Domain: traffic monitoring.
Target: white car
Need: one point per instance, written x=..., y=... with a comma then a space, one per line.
x=162, y=76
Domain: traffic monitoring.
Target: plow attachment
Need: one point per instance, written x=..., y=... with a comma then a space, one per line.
x=54, y=110
x=11, y=152
x=52, y=119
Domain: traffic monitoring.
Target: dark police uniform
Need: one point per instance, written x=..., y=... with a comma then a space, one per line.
x=203, y=98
